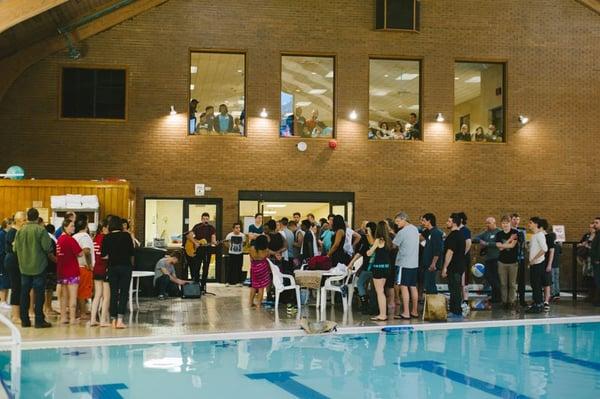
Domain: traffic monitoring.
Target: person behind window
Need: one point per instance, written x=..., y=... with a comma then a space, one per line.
x=413, y=127
x=397, y=131
x=383, y=132
x=494, y=134
x=193, y=115
x=207, y=119
x=479, y=134
x=464, y=134
x=296, y=122
x=223, y=122
x=237, y=127
x=311, y=124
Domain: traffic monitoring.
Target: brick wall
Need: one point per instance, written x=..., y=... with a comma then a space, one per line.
x=547, y=168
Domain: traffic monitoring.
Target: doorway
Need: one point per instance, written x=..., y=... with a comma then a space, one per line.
x=167, y=220
x=279, y=204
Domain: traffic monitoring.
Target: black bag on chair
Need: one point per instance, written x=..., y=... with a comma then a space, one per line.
x=191, y=290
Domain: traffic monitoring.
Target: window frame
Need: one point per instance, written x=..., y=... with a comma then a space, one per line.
x=93, y=66
x=243, y=52
x=333, y=56
x=504, y=64
x=421, y=96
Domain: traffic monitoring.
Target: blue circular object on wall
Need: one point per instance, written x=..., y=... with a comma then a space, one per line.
x=15, y=172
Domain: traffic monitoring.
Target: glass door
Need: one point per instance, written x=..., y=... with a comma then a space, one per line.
x=192, y=215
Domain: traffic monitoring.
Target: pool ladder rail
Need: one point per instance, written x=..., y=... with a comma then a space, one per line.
x=14, y=341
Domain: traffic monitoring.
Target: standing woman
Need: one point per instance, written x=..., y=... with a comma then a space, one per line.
x=336, y=252
x=4, y=281
x=380, y=267
x=117, y=247
x=11, y=266
x=101, y=287
x=260, y=270
x=67, y=271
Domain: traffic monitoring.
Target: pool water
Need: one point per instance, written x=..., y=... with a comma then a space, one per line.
x=539, y=361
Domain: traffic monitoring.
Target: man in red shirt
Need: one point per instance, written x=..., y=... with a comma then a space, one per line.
x=204, y=237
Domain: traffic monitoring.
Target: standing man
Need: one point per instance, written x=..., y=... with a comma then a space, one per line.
x=595, y=258
x=506, y=241
x=235, y=241
x=297, y=218
x=255, y=229
x=407, y=262
x=454, y=263
x=433, y=253
x=537, y=252
x=487, y=242
x=32, y=246
x=223, y=121
x=515, y=219
x=288, y=236
x=204, y=236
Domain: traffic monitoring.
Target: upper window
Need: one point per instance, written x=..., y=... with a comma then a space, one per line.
x=479, y=102
x=217, y=98
x=307, y=97
x=394, y=100
x=93, y=93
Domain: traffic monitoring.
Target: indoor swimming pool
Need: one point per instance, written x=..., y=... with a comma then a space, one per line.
x=532, y=361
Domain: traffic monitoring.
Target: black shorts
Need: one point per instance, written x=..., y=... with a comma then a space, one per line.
x=408, y=277
x=380, y=271
x=547, y=279
x=101, y=277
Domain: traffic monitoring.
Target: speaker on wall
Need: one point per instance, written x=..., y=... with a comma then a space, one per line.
x=398, y=14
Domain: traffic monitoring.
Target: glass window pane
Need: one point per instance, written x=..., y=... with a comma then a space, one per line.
x=394, y=100
x=164, y=220
x=217, y=98
x=307, y=96
x=478, y=102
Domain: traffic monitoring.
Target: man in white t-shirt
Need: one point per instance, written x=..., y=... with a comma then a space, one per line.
x=407, y=262
x=537, y=251
x=86, y=264
x=235, y=239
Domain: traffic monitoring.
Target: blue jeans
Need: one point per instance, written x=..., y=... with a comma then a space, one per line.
x=38, y=283
x=364, y=277
x=555, y=281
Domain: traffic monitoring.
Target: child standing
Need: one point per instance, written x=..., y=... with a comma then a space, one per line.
x=260, y=271
x=236, y=254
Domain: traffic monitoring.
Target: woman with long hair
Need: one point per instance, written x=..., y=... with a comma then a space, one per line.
x=67, y=271
x=380, y=266
x=336, y=252
x=101, y=286
x=117, y=248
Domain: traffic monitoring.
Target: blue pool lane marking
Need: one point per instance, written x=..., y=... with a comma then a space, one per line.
x=563, y=357
x=437, y=368
x=284, y=381
x=104, y=391
x=74, y=353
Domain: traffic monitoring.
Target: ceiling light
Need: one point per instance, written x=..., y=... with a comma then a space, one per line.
x=353, y=115
x=400, y=106
x=263, y=113
x=329, y=74
x=407, y=76
x=270, y=212
x=193, y=69
x=239, y=71
x=386, y=76
x=379, y=92
x=439, y=117
x=303, y=103
x=192, y=87
x=297, y=90
x=523, y=119
x=416, y=106
x=456, y=78
x=474, y=79
x=314, y=73
x=276, y=205
x=241, y=102
x=173, y=112
x=317, y=91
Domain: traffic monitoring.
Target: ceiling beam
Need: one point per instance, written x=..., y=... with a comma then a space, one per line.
x=593, y=5
x=16, y=64
x=13, y=12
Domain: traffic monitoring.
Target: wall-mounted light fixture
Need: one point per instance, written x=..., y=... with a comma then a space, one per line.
x=523, y=120
x=353, y=115
x=439, y=117
x=173, y=112
x=263, y=113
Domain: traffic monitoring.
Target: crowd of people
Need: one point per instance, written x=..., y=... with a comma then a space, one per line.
x=398, y=130
x=209, y=122
x=492, y=135
x=401, y=261
x=297, y=125
x=38, y=260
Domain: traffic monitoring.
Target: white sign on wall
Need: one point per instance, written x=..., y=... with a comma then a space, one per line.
x=199, y=190
x=559, y=230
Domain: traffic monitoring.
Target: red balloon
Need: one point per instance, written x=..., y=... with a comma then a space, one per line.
x=332, y=144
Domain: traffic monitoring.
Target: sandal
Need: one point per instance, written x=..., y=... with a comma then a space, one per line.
x=414, y=316
x=401, y=317
x=378, y=319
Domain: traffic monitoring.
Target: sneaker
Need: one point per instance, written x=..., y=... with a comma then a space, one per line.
x=465, y=309
x=534, y=309
x=44, y=324
x=161, y=297
x=546, y=307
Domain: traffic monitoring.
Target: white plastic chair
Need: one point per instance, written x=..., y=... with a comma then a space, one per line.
x=329, y=286
x=279, y=287
x=353, y=280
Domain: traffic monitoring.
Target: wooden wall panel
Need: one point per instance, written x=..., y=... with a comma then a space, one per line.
x=114, y=197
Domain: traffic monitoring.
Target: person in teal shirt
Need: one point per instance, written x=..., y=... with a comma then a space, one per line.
x=224, y=121
x=326, y=235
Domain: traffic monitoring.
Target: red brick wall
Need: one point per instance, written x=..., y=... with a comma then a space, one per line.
x=547, y=168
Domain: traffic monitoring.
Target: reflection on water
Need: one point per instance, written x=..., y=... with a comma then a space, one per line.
x=534, y=361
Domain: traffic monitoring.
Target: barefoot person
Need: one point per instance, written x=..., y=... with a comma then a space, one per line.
x=101, y=287
x=260, y=271
x=67, y=271
x=380, y=267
